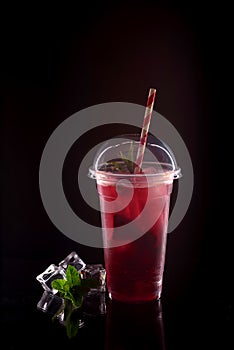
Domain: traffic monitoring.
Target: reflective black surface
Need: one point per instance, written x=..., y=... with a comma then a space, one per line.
x=188, y=321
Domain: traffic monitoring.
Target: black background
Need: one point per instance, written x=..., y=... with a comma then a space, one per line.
x=59, y=61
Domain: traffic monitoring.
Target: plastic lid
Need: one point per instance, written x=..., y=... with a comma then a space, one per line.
x=117, y=156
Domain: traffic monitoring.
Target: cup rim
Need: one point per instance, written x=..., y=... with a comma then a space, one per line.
x=173, y=173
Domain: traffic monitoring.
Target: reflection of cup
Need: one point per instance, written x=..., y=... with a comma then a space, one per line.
x=135, y=210
x=134, y=326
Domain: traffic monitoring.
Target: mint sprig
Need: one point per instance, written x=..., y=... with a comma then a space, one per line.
x=73, y=288
x=129, y=158
x=124, y=164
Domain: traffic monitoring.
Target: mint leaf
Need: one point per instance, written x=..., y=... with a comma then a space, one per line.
x=129, y=158
x=60, y=285
x=73, y=288
x=72, y=276
x=77, y=300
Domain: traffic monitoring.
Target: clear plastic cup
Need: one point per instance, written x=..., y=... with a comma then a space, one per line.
x=134, y=212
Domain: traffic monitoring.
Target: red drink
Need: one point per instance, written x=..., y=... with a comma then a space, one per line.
x=135, y=209
x=135, y=254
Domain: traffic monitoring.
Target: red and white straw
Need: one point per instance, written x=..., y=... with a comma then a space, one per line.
x=145, y=130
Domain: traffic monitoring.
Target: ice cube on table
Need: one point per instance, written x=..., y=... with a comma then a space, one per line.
x=50, y=303
x=74, y=260
x=95, y=271
x=94, y=303
x=51, y=273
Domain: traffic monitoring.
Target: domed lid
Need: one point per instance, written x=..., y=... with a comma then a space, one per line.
x=118, y=156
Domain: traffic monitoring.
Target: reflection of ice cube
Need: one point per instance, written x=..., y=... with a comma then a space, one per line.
x=95, y=271
x=74, y=260
x=51, y=273
x=50, y=303
x=62, y=320
x=94, y=303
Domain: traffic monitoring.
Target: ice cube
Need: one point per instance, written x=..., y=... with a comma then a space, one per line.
x=50, y=303
x=94, y=303
x=95, y=271
x=51, y=273
x=74, y=260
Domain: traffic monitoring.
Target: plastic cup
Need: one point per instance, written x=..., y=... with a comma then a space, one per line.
x=134, y=216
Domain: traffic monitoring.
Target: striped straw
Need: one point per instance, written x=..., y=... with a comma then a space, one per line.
x=144, y=130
